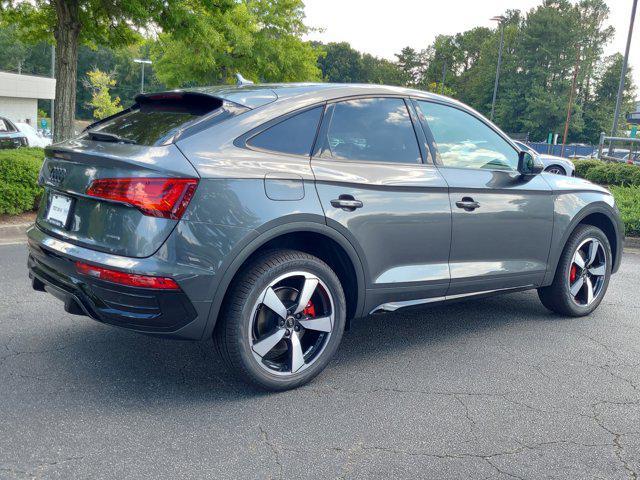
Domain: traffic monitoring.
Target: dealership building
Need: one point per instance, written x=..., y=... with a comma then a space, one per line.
x=19, y=95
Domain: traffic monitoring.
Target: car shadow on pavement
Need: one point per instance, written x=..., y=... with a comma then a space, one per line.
x=114, y=365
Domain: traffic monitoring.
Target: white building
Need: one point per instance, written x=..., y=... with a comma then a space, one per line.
x=19, y=95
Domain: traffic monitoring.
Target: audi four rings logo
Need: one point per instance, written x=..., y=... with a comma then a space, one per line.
x=56, y=175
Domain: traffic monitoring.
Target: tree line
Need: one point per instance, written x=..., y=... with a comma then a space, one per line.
x=203, y=43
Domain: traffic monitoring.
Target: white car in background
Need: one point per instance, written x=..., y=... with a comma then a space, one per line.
x=552, y=164
x=34, y=139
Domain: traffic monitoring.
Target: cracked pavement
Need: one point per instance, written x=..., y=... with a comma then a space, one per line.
x=496, y=388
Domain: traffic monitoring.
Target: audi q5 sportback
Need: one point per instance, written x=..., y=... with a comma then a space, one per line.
x=268, y=216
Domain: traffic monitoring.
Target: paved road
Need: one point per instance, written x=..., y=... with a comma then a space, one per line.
x=494, y=388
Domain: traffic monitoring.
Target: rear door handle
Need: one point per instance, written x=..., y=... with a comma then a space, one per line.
x=467, y=204
x=346, y=202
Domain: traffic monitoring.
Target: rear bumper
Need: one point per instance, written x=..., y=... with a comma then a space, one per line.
x=51, y=265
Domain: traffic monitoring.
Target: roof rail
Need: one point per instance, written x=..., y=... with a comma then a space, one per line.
x=240, y=80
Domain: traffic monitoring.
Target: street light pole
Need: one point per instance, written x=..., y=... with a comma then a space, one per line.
x=616, y=113
x=500, y=19
x=142, y=62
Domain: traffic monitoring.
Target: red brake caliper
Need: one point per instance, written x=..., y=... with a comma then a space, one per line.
x=573, y=273
x=309, y=310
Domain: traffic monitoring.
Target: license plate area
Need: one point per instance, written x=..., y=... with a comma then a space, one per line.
x=59, y=209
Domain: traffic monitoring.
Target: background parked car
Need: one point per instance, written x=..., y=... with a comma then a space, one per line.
x=552, y=164
x=633, y=158
x=10, y=135
x=34, y=138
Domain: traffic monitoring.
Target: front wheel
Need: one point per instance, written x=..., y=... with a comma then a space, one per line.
x=283, y=320
x=582, y=276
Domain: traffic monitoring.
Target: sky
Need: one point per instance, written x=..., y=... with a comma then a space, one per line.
x=384, y=28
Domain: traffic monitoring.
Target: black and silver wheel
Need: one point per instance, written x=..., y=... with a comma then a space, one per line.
x=283, y=320
x=556, y=170
x=582, y=275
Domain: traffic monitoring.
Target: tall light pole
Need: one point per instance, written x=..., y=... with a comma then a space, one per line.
x=142, y=62
x=616, y=113
x=500, y=19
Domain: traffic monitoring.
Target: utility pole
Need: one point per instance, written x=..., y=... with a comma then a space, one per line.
x=616, y=113
x=500, y=19
x=570, y=105
x=142, y=62
x=444, y=75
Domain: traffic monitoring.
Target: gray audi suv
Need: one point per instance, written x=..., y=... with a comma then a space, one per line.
x=267, y=217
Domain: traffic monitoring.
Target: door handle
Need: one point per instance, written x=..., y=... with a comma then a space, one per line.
x=346, y=203
x=467, y=204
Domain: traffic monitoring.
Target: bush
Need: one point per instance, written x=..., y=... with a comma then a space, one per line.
x=611, y=174
x=628, y=202
x=19, y=190
x=583, y=166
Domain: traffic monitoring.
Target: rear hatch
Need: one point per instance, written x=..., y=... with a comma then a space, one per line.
x=122, y=186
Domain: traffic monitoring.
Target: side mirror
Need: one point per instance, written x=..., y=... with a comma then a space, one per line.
x=529, y=164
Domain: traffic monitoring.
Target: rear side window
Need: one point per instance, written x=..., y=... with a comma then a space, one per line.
x=155, y=120
x=293, y=136
x=372, y=129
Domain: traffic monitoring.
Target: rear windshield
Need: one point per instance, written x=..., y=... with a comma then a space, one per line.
x=152, y=122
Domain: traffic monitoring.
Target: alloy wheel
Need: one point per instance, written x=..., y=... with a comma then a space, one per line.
x=555, y=171
x=587, y=272
x=291, y=323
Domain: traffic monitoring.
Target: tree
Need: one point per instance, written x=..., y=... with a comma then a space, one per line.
x=100, y=85
x=339, y=63
x=259, y=38
x=412, y=64
x=92, y=22
x=598, y=115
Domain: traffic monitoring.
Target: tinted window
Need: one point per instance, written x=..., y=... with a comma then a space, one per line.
x=156, y=120
x=374, y=129
x=294, y=135
x=464, y=141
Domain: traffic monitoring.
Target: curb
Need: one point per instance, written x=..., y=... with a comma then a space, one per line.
x=632, y=242
x=14, y=234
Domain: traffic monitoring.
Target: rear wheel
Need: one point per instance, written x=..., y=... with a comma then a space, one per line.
x=582, y=276
x=283, y=320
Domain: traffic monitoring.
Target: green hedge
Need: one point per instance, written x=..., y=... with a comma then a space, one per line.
x=628, y=202
x=624, y=182
x=19, y=168
x=620, y=174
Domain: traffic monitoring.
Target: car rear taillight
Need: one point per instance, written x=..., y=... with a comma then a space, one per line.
x=157, y=197
x=123, y=278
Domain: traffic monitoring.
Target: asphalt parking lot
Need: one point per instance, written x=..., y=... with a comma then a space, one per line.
x=493, y=388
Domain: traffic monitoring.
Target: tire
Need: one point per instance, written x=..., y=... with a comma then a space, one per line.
x=556, y=170
x=558, y=297
x=249, y=317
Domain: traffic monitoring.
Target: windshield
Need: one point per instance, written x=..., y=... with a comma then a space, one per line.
x=6, y=126
x=155, y=119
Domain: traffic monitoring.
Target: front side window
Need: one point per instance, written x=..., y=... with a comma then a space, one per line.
x=463, y=141
x=293, y=136
x=372, y=129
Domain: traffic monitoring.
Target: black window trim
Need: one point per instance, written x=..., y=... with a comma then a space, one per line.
x=243, y=140
x=425, y=158
x=434, y=145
